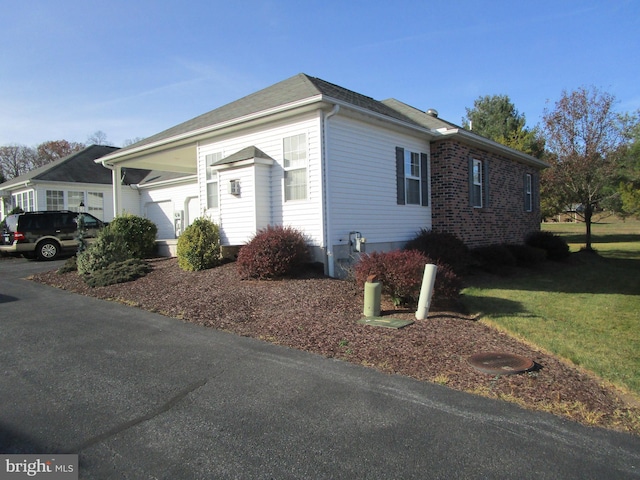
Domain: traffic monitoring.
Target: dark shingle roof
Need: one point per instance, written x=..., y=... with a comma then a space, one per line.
x=79, y=167
x=244, y=154
x=296, y=88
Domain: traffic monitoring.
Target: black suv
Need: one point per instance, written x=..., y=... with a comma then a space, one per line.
x=46, y=234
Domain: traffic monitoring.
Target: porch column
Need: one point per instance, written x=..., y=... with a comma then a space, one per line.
x=116, y=175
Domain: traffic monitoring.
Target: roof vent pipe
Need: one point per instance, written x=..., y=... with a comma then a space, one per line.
x=433, y=112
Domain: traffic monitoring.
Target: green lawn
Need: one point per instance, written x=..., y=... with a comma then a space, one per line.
x=586, y=310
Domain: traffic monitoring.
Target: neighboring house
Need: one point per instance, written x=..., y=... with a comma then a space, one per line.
x=67, y=182
x=353, y=173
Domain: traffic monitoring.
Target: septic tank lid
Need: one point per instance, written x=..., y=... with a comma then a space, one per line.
x=500, y=363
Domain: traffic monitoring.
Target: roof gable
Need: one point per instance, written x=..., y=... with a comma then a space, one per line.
x=79, y=167
x=291, y=90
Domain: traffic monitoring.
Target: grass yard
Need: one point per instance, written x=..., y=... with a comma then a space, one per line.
x=586, y=310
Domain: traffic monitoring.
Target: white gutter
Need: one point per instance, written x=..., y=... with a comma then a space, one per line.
x=326, y=214
x=474, y=139
x=210, y=128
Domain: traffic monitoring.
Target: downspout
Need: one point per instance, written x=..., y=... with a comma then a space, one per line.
x=117, y=188
x=325, y=203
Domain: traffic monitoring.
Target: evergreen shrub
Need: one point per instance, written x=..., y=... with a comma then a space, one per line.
x=555, y=246
x=119, y=272
x=527, y=256
x=109, y=247
x=199, y=246
x=275, y=251
x=139, y=234
x=496, y=258
x=442, y=247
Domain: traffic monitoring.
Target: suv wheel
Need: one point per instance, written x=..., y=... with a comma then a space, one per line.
x=47, y=250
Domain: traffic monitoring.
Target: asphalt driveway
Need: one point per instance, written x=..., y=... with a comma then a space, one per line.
x=141, y=396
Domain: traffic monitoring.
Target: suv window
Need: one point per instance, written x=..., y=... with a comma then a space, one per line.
x=35, y=222
x=90, y=221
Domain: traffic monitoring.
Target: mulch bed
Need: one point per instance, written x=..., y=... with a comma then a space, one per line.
x=320, y=315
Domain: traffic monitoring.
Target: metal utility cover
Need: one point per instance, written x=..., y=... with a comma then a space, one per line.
x=385, y=322
x=500, y=363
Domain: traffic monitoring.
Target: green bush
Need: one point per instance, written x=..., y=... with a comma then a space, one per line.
x=496, y=259
x=442, y=247
x=139, y=234
x=275, y=251
x=527, y=256
x=109, y=247
x=119, y=272
x=401, y=272
x=70, y=265
x=555, y=246
x=199, y=246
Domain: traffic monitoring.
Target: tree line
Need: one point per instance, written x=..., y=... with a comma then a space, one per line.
x=16, y=160
x=592, y=150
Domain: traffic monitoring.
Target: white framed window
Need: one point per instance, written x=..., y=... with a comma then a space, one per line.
x=212, y=180
x=528, y=193
x=95, y=204
x=412, y=177
x=55, y=199
x=24, y=200
x=295, y=167
x=476, y=183
x=74, y=199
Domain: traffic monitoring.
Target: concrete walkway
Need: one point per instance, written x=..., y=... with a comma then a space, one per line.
x=141, y=396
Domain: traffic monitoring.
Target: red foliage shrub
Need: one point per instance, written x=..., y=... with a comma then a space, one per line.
x=401, y=271
x=275, y=251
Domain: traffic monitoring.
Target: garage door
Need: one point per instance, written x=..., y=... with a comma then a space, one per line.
x=161, y=213
x=193, y=210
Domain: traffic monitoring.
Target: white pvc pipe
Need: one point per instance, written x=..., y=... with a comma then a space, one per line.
x=426, y=291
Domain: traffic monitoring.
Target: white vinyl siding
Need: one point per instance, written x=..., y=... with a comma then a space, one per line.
x=368, y=203
x=270, y=207
x=161, y=202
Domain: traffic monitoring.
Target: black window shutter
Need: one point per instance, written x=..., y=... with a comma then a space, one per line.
x=424, y=178
x=524, y=189
x=400, y=175
x=485, y=182
x=471, y=203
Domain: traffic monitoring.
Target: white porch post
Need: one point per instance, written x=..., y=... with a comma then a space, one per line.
x=116, y=175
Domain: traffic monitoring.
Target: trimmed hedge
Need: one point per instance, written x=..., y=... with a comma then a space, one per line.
x=139, y=234
x=401, y=272
x=199, y=246
x=110, y=247
x=555, y=246
x=275, y=251
x=442, y=247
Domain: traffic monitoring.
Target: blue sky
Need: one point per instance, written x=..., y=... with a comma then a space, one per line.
x=132, y=68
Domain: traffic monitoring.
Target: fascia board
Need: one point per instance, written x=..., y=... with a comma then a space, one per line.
x=491, y=145
x=192, y=135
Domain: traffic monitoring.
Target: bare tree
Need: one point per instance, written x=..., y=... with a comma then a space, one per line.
x=15, y=160
x=584, y=137
x=131, y=141
x=98, y=138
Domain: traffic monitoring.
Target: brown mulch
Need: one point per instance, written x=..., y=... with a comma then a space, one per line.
x=319, y=315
